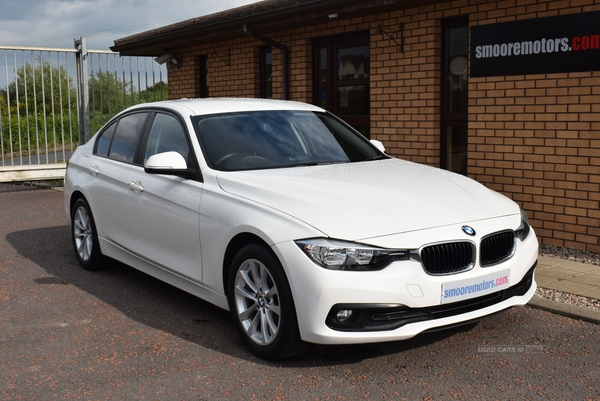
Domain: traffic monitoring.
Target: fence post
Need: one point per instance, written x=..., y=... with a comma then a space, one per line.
x=83, y=99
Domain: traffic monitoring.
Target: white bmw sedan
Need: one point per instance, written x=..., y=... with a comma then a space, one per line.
x=305, y=230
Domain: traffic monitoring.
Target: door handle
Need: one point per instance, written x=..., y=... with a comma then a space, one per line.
x=94, y=170
x=136, y=186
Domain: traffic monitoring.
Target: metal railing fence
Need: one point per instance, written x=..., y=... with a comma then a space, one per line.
x=53, y=99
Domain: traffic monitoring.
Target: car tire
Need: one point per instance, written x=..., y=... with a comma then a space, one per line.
x=262, y=306
x=85, y=236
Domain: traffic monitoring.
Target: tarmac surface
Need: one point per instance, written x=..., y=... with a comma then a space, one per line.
x=118, y=334
x=553, y=273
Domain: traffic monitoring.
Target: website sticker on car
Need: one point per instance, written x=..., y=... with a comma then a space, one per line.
x=475, y=287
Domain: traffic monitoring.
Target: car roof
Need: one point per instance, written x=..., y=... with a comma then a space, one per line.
x=226, y=105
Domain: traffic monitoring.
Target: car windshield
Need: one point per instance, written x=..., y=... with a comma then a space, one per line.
x=278, y=139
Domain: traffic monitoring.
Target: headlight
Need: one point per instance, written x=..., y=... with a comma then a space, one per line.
x=340, y=255
x=524, y=229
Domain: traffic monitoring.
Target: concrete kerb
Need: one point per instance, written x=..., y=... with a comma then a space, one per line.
x=570, y=277
x=560, y=308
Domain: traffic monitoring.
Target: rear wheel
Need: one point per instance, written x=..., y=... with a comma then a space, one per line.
x=85, y=237
x=261, y=304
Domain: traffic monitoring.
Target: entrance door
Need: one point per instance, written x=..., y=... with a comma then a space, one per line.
x=342, y=78
x=454, y=116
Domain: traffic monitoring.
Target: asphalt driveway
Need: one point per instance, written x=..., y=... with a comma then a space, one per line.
x=118, y=334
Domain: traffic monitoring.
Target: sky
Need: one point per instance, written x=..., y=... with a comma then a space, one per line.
x=55, y=23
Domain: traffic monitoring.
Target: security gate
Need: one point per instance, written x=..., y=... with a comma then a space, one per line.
x=52, y=100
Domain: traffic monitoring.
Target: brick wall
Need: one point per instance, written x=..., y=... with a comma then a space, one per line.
x=233, y=70
x=535, y=138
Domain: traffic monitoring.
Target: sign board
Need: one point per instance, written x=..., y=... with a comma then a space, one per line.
x=565, y=43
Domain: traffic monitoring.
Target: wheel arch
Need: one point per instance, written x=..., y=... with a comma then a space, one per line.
x=74, y=197
x=234, y=246
x=95, y=258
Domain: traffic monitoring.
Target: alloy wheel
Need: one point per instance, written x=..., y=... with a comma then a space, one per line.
x=257, y=302
x=83, y=234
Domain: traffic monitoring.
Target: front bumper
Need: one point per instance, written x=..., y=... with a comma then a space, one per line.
x=399, y=301
x=391, y=317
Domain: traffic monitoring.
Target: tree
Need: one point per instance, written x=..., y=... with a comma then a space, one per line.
x=109, y=94
x=40, y=105
x=38, y=108
x=155, y=93
x=41, y=88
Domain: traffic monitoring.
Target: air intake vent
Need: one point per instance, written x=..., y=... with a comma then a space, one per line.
x=496, y=248
x=448, y=258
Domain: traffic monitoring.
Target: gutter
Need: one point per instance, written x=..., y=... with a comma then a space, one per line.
x=270, y=14
x=215, y=25
x=285, y=75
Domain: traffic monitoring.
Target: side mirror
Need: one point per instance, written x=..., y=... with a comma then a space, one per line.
x=169, y=163
x=378, y=145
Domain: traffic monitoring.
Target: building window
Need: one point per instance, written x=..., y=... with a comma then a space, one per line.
x=204, y=92
x=266, y=72
x=454, y=110
x=342, y=78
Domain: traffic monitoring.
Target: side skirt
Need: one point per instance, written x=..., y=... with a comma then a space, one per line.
x=163, y=274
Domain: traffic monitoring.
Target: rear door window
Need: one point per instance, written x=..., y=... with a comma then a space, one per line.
x=104, y=140
x=127, y=137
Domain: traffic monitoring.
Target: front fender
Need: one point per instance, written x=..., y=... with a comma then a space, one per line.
x=224, y=216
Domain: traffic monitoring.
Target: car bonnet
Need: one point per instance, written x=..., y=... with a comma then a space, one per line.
x=357, y=201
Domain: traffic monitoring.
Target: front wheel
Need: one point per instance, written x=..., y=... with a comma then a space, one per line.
x=262, y=306
x=85, y=237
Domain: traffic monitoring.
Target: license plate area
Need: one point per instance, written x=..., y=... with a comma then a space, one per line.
x=475, y=287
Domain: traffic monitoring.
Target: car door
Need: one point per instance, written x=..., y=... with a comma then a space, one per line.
x=111, y=164
x=163, y=210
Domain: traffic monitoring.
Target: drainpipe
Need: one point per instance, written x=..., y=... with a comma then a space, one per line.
x=284, y=56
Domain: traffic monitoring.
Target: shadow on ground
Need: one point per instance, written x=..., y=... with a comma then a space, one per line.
x=166, y=308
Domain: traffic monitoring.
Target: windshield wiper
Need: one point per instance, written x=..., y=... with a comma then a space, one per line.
x=376, y=157
x=321, y=163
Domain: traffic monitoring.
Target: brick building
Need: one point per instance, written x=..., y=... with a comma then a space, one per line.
x=506, y=92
